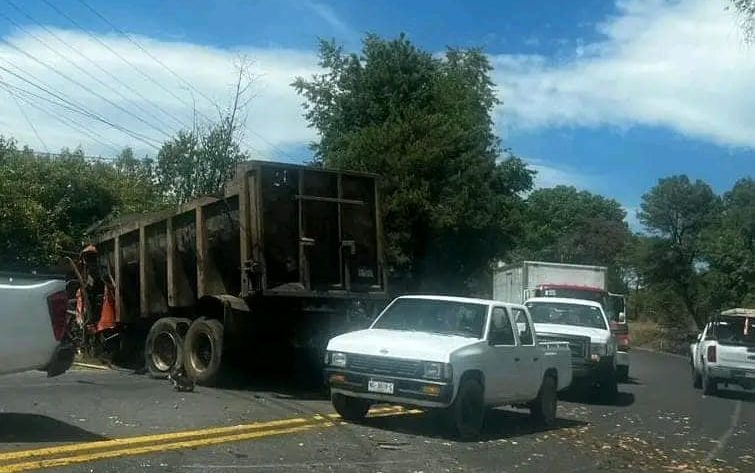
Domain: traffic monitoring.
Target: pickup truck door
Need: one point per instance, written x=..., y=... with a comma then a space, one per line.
x=530, y=365
x=501, y=358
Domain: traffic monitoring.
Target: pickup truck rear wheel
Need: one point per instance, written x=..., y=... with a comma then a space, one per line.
x=543, y=408
x=468, y=410
x=204, y=350
x=350, y=408
x=163, y=349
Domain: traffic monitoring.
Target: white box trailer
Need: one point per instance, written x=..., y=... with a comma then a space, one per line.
x=516, y=283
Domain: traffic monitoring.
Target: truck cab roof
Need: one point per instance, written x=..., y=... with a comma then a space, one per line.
x=465, y=300
x=741, y=312
x=565, y=300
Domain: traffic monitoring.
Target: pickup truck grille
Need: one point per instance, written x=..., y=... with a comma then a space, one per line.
x=580, y=346
x=385, y=366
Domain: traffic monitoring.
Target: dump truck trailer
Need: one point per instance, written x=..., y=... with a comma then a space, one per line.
x=287, y=257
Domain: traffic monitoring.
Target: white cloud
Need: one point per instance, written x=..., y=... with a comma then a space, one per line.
x=676, y=64
x=275, y=114
x=549, y=175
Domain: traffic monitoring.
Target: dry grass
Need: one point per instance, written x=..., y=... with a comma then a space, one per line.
x=647, y=334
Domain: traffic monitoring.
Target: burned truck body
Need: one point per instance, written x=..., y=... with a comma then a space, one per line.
x=285, y=258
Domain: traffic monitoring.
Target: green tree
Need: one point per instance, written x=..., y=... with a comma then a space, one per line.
x=566, y=225
x=676, y=212
x=49, y=202
x=450, y=204
x=728, y=248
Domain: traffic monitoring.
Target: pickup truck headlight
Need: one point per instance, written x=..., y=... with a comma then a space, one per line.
x=338, y=359
x=436, y=370
x=599, y=349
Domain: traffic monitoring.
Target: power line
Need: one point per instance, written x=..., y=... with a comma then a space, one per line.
x=100, y=68
x=144, y=50
x=74, y=81
x=114, y=52
x=72, y=106
x=74, y=125
x=26, y=117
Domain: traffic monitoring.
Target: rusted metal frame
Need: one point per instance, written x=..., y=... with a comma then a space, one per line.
x=330, y=199
x=383, y=276
x=157, y=217
x=144, y=286
x=304, y=241
x=343, y=270
x=201, y=242
x=170, y=258
x=117, y=269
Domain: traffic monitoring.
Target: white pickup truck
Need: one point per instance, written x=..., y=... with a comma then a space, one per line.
x=725, y=352
x=33, y=324
x=585, y=326
x=453, y=354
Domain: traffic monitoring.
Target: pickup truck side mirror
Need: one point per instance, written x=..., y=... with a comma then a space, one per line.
x=622, y=318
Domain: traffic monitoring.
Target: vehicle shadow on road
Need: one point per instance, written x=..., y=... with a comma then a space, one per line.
x=34, y=428
x=746, y=396
x=499, y=424
x=593, y=398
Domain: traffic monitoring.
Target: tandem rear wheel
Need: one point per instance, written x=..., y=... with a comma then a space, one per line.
x=164, y=347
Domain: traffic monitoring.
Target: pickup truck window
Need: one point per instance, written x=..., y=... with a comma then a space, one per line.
x=523, y=325
x=736, y=331
x=501, y=332
x=566, y=314
x=434, y=316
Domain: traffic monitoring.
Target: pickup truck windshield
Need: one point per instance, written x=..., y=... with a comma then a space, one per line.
x=736, y=331
x=434, y=316
x=566, y=314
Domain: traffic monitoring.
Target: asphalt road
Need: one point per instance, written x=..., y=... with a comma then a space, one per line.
x=110, y=421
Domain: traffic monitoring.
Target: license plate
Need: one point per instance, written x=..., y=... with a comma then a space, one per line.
x=382, y=387
x=749, y=375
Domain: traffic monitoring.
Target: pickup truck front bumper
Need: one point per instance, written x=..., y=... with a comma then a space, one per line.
x=738, y=376
x=406, y=391
x=589, y=369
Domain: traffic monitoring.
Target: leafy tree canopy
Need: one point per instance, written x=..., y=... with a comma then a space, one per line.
x=450, y=204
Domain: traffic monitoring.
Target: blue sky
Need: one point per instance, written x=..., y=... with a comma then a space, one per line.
x=605, y=96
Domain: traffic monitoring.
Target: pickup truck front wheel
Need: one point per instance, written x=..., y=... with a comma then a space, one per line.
x=710, y=385
x=697, y=380
x=543, y=408
x=608, y=385
x=468, y=410
x=350, y=408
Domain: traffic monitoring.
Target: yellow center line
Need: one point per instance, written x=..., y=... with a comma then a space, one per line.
x=79, y=447
x=130, y=451
x=170, y=441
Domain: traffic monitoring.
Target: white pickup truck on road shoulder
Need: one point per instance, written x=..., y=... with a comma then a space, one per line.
x=33, y=323
x=584, y=325
x=725, y=352
x=453, y=354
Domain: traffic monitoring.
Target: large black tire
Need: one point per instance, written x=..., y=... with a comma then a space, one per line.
x=608, y=385
x=709, y=385
x=203, y=350
x=697, y=380
x=163, y=349
x=543, y=408
x=350, y=408
x=622, y=373
x=467, y=413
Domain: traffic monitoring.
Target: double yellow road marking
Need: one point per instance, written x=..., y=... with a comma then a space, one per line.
x=11, y=462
